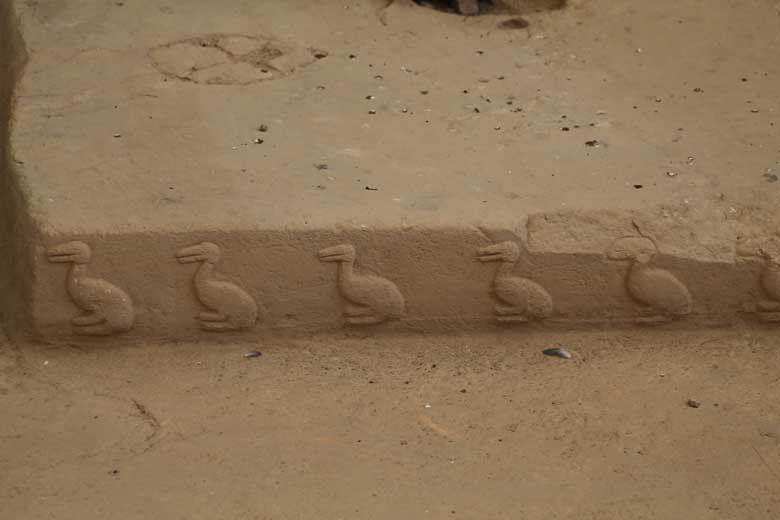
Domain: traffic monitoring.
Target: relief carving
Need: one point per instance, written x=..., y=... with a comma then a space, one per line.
x=370, y=299
x=107, y=309
x=767, y=250
x=664, y=296
x=231, y=308
x=522, y=299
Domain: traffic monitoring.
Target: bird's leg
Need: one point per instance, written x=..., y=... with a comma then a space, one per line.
x=768, y=311
x=767, y=306
x=88, y=319
x=654, y=319
x=217, y=326
x=650, y=316
x=211, y=316
x=507, y=310
x=104, y=329
x=365, y=320
x=515, y=318
x=355, y=311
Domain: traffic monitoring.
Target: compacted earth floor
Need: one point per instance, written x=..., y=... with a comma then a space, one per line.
x=642, y=424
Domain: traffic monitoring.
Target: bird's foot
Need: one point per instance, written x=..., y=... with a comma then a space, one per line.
x=768, y=306
x=768, y=311
x=217, y=326
x=654, y=319
x=508, y=313
x=507, y=310
x=212, y=316
x=357, y=311
x=517, y=318
x=103, y=329
x=86, y=320
x=364, y=320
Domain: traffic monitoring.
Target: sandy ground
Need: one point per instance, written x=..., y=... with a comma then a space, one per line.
x=419, y=427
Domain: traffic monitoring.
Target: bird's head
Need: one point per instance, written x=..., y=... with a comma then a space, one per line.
x=639, y=249
x=71, y=252
x=340, y=253
x=502, y=252
x=203, y=252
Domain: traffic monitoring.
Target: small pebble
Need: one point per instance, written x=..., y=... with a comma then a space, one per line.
x=372, y=111
x=262, y=128
x=258, y=141
x=514, y=23
x=692, y=403
x=671, y=174
x=557, y=352
x=253, y=354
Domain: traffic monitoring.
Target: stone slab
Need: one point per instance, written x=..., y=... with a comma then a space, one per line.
x=274, y=130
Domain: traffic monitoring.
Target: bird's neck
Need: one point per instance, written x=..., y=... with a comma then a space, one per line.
x=205, y=273
x=346, y=270
x=78, y=272
x=505, y=269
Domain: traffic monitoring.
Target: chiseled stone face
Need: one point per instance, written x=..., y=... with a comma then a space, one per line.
x=287, y=168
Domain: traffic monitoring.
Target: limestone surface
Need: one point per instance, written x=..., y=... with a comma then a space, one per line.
x=276, y=129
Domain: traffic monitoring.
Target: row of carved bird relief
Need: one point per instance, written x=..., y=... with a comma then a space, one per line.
x=369, y=299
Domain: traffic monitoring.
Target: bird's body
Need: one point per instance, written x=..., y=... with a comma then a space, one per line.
x=659, y=289
x=372, y=292
x=770, y=280
x=107, y=308
x=770, y=283
x=521, y=299
x=371, y=299
x=230, y=307
x=525, y=299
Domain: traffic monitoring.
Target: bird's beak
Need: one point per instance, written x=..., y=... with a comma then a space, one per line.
x=189, y=255
x=618, y=254
x=60, y=254
x=330, y=254
x=489, y=254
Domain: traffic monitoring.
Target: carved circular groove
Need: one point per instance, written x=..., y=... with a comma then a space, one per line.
x=230, y=59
